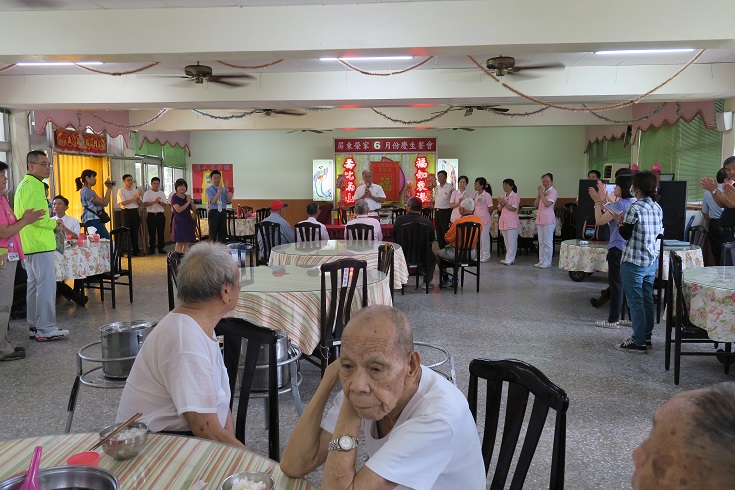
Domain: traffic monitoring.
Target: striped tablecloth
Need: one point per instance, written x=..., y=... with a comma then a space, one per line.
x=581, y=256
x=169, y=462
x=288, y=298
x=317, y=253
x=78, y=263
x=243, y=226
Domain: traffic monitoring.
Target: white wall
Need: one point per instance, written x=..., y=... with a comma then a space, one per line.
x=276, y=164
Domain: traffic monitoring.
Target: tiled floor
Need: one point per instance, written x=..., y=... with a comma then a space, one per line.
x=539, y=316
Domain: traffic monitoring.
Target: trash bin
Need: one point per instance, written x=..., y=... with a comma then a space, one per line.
x=122, y=339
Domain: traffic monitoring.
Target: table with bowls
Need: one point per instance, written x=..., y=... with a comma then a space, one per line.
x=165, y=461
x=243, y=226
x=317, y=253
x=288, y=298
x=583, y=257
x=80, y=262
x=710, y=292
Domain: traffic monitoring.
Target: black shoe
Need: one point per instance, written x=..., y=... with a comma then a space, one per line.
x=161, y=251
x=151, y=251
x=19, y=349
x=136, y=254
x=649, y=344
x=630, y=346
x=16, y=355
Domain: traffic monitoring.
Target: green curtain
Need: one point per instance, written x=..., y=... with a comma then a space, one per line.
x=172, y=156
x=604, y=151
x=690, y=151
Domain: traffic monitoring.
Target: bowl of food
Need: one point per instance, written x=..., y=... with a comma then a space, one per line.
x=127, y=443
x=68, y=477
x=248, y=481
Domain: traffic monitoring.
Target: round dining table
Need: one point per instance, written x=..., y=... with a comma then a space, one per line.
x=166, y=461
x=243, y=226
x=81, y=262
x=288, y=298
x=583, y=257
x=710, y=292
x=321, y=252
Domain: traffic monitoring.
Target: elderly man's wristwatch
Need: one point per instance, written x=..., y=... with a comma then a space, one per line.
x=343, y=443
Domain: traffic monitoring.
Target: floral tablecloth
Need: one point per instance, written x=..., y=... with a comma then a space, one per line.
x=528, y=227
x=710, y=292
x=166, y=461
x=243, y=226
x=588, y=256
x=288, y=298
x=78, y=263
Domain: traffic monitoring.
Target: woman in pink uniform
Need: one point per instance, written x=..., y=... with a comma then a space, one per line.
x=545, y=220
x=483, y=203
x=509, y=223
x=458, y=195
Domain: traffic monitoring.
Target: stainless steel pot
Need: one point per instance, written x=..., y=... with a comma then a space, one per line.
x=260, y=379
x=63, y=477
x=121, y=340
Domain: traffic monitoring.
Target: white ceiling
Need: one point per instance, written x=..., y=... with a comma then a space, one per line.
x=127, y=34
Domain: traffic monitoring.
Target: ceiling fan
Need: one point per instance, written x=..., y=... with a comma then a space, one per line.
x=315, y=131
x=199, y=73
x=285, y=112
x=470, y=109
x=455, y=129
x=506, y=65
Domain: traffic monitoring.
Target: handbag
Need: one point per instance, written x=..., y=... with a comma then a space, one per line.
x=101, y=214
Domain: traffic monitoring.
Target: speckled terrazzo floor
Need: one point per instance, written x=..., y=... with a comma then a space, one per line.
x=539, y=316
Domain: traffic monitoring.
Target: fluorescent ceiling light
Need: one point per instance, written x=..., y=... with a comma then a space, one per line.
x=57, y=63
x=646, y=51
x=369, y=58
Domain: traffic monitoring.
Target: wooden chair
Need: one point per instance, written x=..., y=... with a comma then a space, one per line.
x=120, y=267
x=521, y=379
x=262, y=214
x=386, y=263
x=338, y=292
x=309, y=232
x=685, y=332
x=359, y=231
x=173, y=259
x=269, y=235
x=466, y=234
x=231, y=228
x=728, y=254
x=659, y=294
x=202, y=214
x=416, y=244
x=697, y=234
x=396, y=213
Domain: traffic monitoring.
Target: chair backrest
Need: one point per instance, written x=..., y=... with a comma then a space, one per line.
x=268, y=236
x=234, y=330
x=172, y=268
x=230, y=212
x=231, y=233
x=262, y=214
x=246, y=209
x=202, y=213
x=522, y=379
x=697, y=235
x=325, y=211
x=728, y=254
x=308, y=232
x=120, y=245
x=466, y=234
x=342, y=215
x=360, y=231
x=386, y=262
x=338, y=293
x=676, y=269
x=396, y=213
x=428, y=213
x=415, y=243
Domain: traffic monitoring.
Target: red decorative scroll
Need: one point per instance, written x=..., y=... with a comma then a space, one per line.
x=85, y=143
x=387, y=174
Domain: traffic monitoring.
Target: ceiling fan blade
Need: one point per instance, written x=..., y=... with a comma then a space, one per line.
x=243, y=76
x=224, y=82
x=557, y=66
x=496, y=109
x=286, y=112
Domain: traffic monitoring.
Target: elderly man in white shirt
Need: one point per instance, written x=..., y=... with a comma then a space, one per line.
x=69, y=225
x=154, y=200
x=312, y=211
x=361, y=208
x=373, y=194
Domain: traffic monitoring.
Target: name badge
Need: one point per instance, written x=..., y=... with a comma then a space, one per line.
x=13, y=257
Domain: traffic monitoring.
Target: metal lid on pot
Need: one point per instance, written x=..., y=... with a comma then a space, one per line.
x=121, y=327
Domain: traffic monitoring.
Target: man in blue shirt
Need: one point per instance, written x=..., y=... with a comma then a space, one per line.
x=712, y=211
x=218, y=197
x=276, y=216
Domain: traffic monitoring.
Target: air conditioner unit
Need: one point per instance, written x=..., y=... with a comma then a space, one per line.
x=609, y=170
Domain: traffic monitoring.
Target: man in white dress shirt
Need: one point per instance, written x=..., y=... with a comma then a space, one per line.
x=154, y=199
x=129, y=199
x=442, y=210
x=312, y=211
x=373, y=194
x=69, y=225
x=362, y=209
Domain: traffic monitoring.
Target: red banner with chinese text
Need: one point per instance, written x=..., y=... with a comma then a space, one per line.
x=384, y=145
x=89, y=142
x=200, y=178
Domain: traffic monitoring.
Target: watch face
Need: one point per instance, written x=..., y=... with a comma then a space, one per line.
x=345, y=442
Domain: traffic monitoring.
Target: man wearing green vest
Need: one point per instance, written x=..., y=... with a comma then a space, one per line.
x=39, y=246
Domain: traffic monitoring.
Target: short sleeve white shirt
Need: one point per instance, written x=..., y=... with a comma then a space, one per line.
x=376, y=191
x=150, y=196
x=312, y=220
x=178, y=369
x=442, y=195
x=125, y=195
x=69, y=222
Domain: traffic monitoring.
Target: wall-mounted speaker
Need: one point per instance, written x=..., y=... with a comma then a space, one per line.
x=673, y=202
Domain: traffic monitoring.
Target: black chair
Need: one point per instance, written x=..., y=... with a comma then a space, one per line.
x=428, y=213
x=269, y=235
x=342, y=215
x=262, y=214
x=396, y=213
x=697, y=234
x=309, y=232
x=659, y=293
x=231, y=228
x=336, y=305
x=685, y=332
x=119, y=246
x=416, y=244
x=202, y=214
x=522, y=379
x=728, y=254
x=234, y=330
x=386, y=263
x=172, y=269
x=359, y=231
x=466, y=234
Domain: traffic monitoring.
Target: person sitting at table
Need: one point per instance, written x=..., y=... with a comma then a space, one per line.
x=92, y=204
x=373, y=194
x=69, y=225
x=179, y=381
x=711, y=211
x=362, y=209
x=312, y=211
x=724, y=199
x=447, y=254
x=690, y=443
x=419, y=432
x=414, y=215
x=276, y=216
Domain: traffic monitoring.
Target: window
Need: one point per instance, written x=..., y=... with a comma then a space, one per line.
x=5, y=147
x=170, y=176
x=604, y=151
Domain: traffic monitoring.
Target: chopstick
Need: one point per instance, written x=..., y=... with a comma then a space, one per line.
x=117, y=431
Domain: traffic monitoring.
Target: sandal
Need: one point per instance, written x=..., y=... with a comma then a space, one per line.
x=606, y=324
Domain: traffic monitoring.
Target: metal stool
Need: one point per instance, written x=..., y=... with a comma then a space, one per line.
x=94, y=378
x=437, y=357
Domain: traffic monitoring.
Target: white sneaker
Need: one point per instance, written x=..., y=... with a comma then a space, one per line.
x=544, y=267
x=487, y=259
x=538, y=264
x=508, y=263
x=502, y=261
x=53, y=335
